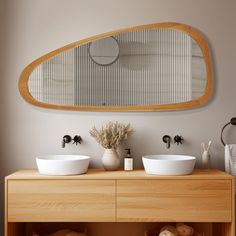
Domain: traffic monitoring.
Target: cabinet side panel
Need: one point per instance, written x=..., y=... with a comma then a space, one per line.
x=232, y=228
x=5, y=208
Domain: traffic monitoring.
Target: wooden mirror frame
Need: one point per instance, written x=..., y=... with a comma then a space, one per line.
x=192, y=32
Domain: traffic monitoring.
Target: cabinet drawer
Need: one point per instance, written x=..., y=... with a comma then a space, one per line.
x=61, y=200
x=174, y=200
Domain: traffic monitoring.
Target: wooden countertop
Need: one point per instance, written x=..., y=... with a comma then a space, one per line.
x=120, y=174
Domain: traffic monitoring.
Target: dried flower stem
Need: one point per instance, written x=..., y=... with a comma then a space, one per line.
x=111, y=135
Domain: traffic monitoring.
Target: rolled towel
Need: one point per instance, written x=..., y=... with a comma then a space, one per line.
x=184, y=230
x=168, y=230
x=167, y=233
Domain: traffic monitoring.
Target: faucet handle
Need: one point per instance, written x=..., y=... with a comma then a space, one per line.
x=178, y=139
x=77, y=139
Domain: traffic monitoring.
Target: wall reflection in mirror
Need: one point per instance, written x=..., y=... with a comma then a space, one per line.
x=144, y=67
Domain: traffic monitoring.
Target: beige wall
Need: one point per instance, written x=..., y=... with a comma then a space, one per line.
x=35, y=27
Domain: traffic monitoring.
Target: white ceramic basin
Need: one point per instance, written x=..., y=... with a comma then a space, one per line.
x=168, y=164
x=63, y=164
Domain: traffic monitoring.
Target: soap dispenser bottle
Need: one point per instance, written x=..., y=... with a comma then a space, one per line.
x=128, y=163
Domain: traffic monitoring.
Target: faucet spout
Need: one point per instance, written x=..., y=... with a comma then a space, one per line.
x=166, y=139
x=66, y=139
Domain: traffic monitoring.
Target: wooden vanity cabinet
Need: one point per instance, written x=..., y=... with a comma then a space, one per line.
x=204, y=199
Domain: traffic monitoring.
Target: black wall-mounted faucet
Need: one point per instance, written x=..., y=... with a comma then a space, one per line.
x=167, y=139
x=67, y=139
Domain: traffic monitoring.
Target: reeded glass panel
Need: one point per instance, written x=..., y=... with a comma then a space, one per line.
x=146, y=67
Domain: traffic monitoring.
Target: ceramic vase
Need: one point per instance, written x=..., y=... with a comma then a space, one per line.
x=110, y=159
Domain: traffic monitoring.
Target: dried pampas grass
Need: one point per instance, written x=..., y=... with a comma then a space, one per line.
x=111, y=135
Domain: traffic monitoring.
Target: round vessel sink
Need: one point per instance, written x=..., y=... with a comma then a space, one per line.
x=63, y=164
x=168, y=164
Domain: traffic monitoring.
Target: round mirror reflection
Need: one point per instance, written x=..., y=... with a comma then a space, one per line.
x=105, y=51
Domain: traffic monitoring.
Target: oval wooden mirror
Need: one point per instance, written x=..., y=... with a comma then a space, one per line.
x=165, y=66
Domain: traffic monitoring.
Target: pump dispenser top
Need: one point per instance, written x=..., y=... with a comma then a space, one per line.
x=128, y=154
